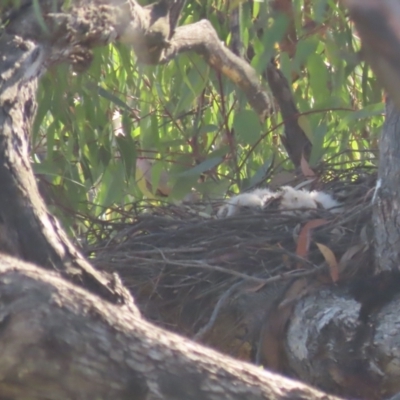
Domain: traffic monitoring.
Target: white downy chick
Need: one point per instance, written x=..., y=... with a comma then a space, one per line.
x=292, y=200
x=264, y=194
x=326, y=201
x=234, y=204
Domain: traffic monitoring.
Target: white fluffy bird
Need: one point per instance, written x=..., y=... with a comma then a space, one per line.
x=290, y=201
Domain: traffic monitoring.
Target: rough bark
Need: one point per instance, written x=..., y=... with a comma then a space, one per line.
x=387, y=198
x=327, y=344
x=321, y=336
x=60, y=342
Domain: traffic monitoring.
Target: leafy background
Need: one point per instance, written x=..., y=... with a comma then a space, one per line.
x=122, y=132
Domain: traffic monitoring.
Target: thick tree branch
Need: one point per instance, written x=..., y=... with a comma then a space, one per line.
x=59, y=342
x=90, y=24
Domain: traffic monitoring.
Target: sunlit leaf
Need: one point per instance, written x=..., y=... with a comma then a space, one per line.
x=331, y=261
x=318, y=78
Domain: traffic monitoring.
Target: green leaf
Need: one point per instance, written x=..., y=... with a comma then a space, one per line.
x=202, y=167
x=318, y=78
x=112, y=185
x=114, y=99
x=318, y=144
x=39, y=16
x=208, y=128
x=247, y=126
x=257, y=178
x=366, y=112
x=303, y=50
x=127, y=148
x=183, y=186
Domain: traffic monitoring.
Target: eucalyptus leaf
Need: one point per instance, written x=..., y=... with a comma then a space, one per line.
x=202, y=167
x=247, y=126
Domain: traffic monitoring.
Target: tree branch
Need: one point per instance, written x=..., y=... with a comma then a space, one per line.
x=59, y=342
x=295, y=140
x=201, y=38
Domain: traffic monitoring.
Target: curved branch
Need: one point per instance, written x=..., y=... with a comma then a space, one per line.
x=202, y=38
x=58, y=341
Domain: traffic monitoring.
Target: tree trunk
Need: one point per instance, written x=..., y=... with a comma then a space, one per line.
x=345, y=340
x=328, y=345
x=387, y=197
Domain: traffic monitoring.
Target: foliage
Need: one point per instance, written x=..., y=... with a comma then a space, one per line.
x=192, y=124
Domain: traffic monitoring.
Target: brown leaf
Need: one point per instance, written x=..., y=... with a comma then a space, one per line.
x=305, y=168
x=303, y=242
x=349, y=254
x=331, y=260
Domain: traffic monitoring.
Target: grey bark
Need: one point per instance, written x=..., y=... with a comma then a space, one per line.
x=28, y=230
x=327, y=345
x=58, y=341
x=387, y=198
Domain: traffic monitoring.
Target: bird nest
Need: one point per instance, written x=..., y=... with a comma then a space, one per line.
x=186, y=268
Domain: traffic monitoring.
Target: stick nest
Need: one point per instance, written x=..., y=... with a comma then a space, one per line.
x=181, y=262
